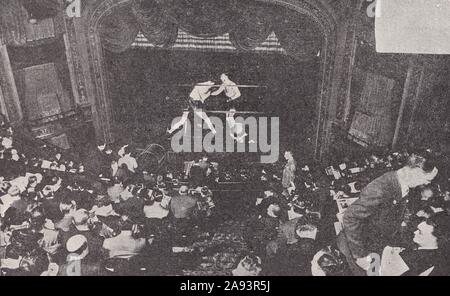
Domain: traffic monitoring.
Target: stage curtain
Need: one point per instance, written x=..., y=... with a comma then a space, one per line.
x=154, y=24
x=373, y=122
x=202, y=18
x=254, y=27
x=118, y=30
x=298, y=35
x=249, y=25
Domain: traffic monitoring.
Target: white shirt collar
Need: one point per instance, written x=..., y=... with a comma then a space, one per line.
x=403, y=185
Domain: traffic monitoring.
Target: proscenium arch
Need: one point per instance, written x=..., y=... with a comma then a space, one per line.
x=317, y=11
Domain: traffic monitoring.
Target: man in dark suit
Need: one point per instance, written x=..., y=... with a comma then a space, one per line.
x=97, y=161
x=375, y=219
x=183, y=208
x=183, y=205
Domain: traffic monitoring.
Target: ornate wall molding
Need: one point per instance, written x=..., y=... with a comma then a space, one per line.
x=101, y=110
x=74, y=60
x=10, y=96
x=316, y=10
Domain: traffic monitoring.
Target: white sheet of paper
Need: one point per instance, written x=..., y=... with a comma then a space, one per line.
x=292, y=215
x=338, y=227
x=46, y=164
x=392, y=263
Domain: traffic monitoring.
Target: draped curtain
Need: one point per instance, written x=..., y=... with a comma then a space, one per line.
x=298, y=35
x=202, y=18
x=154, y=24
x=248, y=24
x=254, y=27
x=119, y=30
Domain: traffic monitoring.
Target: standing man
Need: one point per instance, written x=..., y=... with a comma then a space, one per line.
x=289, y=171
x=97, y=161
x=374, y=220
x=229, y=87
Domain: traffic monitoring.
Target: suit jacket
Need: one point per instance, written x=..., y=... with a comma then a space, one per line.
x=97, y=162
x=374, y=220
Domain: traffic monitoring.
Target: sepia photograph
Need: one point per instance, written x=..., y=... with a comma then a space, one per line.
x=224, y=138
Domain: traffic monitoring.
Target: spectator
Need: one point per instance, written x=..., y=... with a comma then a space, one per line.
x=126, y=244
x=78, y=262
x=432, y=238
x=289, y=170
x=128, y=160
x=84, y=225
x=68, y=208
x=328, y=262
x=183, y=205
x=375, y=219
x=130, y=205
x=250, y=265
x=153, y=208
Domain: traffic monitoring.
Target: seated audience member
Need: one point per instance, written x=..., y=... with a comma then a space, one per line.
x=8, y=199
x=51, y=240
x=84, y=225
x=33, y=263
x=102, y=205
x=129, y=204
x=250, y=265
x=183, y=205
x=446, y=198
x=116, y=189
x=123, y=173
x=206, y=204
x=430, y=257
x=183, y=213
x=128, y=160
x=264, y=229
x=422, y=200
x=271, y=197
x=293, y=250
x=153, y=208
x=329, y=262
x=126, y=244
x=262, y=203
x=78, y=262
x=22, y=243
x=67, y=208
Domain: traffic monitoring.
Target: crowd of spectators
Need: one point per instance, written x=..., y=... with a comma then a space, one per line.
x=109, y=216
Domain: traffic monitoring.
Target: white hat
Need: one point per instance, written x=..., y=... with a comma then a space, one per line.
x=183, y=189
x=75, y=243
